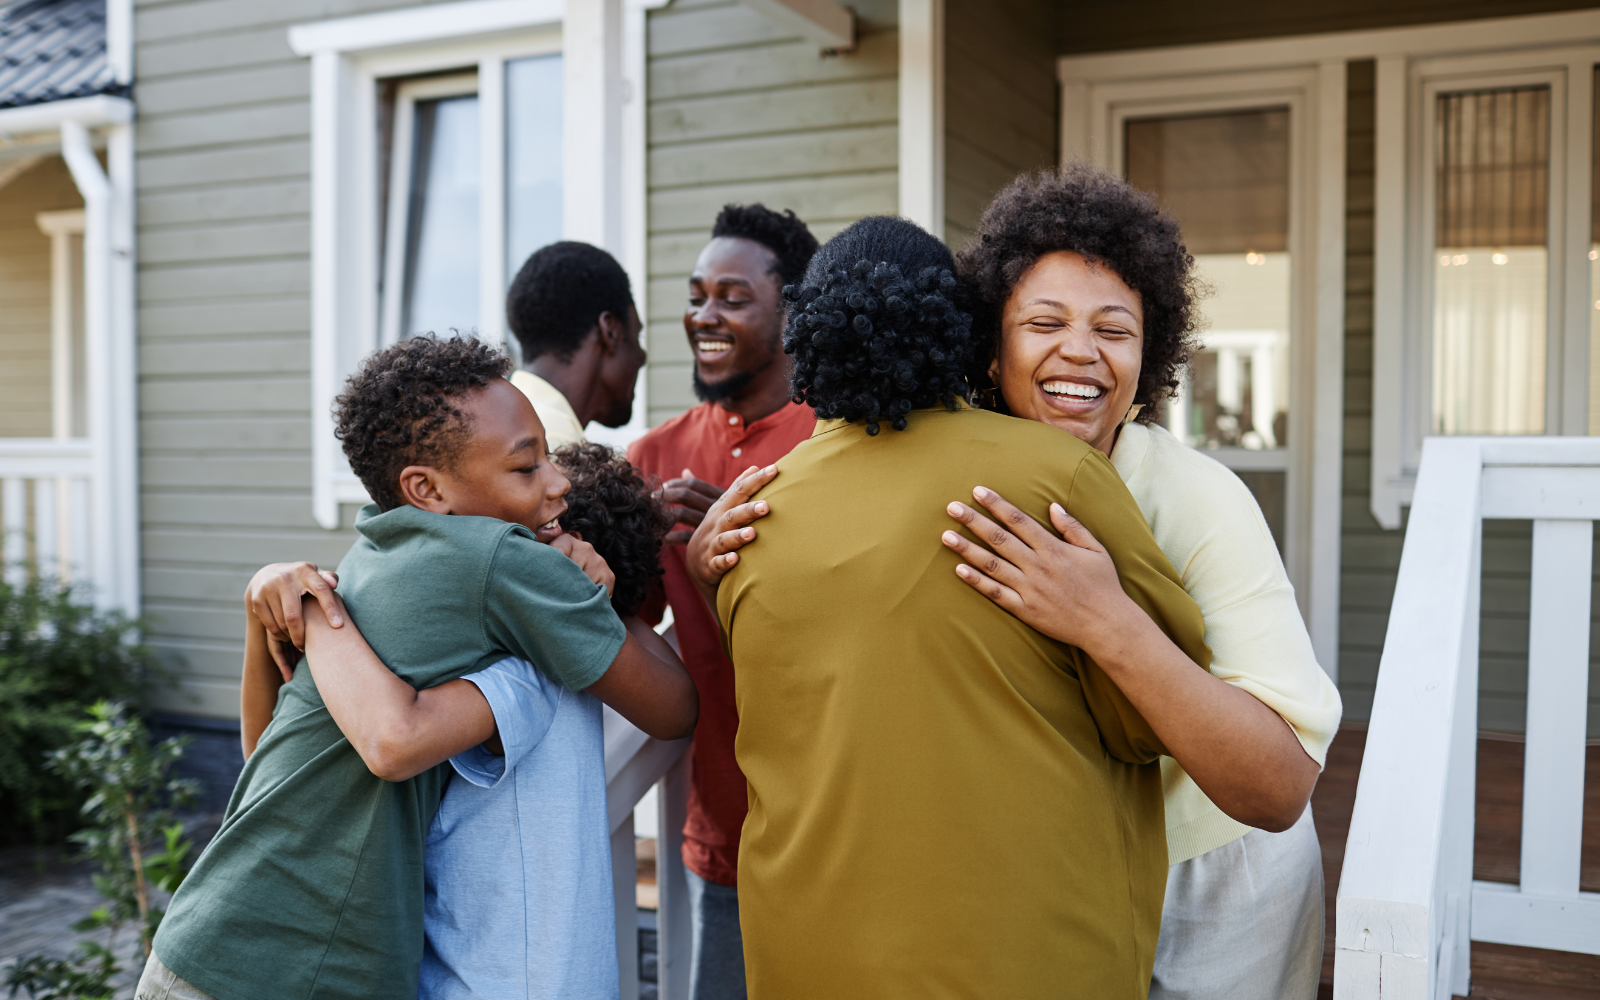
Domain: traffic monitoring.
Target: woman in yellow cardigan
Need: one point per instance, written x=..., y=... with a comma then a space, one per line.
x=1088, y=291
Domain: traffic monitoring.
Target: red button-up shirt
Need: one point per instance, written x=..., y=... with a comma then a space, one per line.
x=714, y=445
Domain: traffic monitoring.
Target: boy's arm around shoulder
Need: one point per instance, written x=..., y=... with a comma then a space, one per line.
x=398, y=731
x=541, y=607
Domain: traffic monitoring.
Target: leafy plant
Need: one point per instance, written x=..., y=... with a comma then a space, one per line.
x=86, y=975
x=130, y=800
x=142, y=852
x=58, y=655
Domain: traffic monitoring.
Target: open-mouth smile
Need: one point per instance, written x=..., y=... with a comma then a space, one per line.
x=712, y=348
x=1076, y=397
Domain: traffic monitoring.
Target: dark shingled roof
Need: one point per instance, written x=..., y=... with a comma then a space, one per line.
x=51, y=50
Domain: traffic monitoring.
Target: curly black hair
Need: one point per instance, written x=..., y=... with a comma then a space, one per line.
x=613, y=508
x=876, y=327
x=1106, y=220
x=781, y=232
x=395, y=410
x=558, y=295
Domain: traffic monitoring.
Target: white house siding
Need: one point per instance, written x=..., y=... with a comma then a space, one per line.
x=223, y=175
x=1000, y=102
x=741, y=110
x=25, y=295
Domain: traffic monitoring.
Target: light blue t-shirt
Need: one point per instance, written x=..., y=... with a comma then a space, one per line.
x=518, y=860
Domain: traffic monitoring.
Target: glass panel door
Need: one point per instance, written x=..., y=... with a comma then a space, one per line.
x=1225, y=177
x=1492, y=203
x=441, y=269
x=533, y=157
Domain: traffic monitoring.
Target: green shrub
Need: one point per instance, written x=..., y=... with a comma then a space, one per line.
x=58, y=656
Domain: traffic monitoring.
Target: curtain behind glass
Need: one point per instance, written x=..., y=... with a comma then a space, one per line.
x=441, y=273
x=1492, y=174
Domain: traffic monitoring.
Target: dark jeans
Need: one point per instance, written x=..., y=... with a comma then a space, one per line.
x=716, y=971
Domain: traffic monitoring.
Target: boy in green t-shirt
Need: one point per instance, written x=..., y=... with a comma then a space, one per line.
x=313, y=887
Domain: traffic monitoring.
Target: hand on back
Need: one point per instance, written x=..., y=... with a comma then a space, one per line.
x=725, y=527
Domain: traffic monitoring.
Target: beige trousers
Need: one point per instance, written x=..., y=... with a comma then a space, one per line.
x=160, y=983
x=1244, y=921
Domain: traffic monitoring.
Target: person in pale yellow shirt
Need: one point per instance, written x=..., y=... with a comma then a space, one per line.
x=571, y=309
x=1090, y=292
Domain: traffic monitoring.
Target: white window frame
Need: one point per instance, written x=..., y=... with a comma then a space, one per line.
x=1396, y=50
x=1314, y=96
x=603, y=124
x=1408, y=93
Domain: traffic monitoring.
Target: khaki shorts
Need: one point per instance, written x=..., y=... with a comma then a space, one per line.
x=160, y=983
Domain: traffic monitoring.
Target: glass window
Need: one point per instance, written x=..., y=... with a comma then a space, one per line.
x=533, y=157
x=1492, y=190
x=1594, y=265
x=441, y=265
x=1225, y=177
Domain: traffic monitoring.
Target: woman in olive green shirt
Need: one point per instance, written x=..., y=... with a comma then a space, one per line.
x=943, y=801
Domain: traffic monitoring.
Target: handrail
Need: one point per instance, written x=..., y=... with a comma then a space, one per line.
x=33, y=458
x=635, y=763
x=1408, y=908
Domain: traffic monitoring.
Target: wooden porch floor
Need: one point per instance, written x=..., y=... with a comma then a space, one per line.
x=1498, y=971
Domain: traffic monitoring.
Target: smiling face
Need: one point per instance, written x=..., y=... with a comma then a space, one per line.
x=500, y=469
x=1071, y=346
x=735, y=316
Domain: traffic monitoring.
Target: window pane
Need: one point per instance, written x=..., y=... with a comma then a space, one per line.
x=1594, y=266
x=441, y=284
x=1492, y=151
x=533, y=157
x=1226, y=179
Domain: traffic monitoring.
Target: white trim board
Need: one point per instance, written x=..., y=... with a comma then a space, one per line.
x=428, y=25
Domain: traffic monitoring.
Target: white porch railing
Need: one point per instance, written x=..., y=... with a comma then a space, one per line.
x=634, y=764
x=45, y=508
x=1408, y=908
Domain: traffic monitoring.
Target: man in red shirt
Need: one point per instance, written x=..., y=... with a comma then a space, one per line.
x=735, y=325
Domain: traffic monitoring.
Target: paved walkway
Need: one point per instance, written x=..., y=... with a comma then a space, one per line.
x=42, y=894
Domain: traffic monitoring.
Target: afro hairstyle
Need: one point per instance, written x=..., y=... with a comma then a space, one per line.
x=612, y=507
x=397, y=409
x=558, y=295
x=783, y=233
x=876, y=328
x=1105, y=220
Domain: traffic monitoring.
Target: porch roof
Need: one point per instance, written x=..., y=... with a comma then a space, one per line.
x=52, y=50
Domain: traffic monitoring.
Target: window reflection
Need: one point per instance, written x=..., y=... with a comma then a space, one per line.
x=533, y=157
x=441, y=268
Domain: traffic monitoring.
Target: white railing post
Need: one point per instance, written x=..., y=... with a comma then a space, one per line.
x=1409, y=851
x=674, y=931
x=14, y=525
x=625, y=883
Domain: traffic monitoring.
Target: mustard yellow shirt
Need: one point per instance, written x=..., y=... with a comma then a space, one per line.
x=943, y=802
x=1210, y=527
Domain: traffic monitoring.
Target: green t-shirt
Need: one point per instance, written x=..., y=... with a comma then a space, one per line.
x=313, y=886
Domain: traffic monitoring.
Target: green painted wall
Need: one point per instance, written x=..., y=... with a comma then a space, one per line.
x=741, y=110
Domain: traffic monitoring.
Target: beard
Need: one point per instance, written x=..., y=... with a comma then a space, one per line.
x=716, y=392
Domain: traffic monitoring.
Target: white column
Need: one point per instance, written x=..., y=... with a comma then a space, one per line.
x=122, y=316
x=674, y=923
x=922, y=113
x=591, y=178
x=625, y=887
x=99, y=358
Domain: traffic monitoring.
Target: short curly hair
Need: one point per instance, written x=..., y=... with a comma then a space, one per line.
x=876, y=328
x=558, y=295
x=783, y=233
x=396, y=409
x=1106, y=220
x=615, y=510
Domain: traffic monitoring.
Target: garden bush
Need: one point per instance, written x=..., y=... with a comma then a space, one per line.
x=58, y=656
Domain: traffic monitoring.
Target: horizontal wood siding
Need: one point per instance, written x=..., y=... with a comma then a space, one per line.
x=1000, y=102
x=742, y=110
x=25, y=295
x=224, y=322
